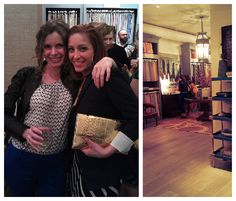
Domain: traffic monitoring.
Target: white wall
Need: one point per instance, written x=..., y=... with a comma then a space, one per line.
x=169, y=47
x=168, y=34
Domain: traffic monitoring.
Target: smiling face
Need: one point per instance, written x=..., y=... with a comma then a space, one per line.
x=54, y=50
x=81, y=53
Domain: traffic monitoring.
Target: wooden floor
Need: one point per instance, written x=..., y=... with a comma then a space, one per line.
x=177, y=164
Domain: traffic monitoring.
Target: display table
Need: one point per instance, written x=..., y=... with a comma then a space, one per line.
x=206, y=105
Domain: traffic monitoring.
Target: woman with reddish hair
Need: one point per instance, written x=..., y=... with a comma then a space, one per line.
x=98, y=170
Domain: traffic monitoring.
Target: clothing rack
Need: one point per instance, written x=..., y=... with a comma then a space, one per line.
x=104, y=10
x=71, y=16
x=119, y=18
x=169, y=66
x=202, y=73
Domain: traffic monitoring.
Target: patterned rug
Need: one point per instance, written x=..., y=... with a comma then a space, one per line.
x=189, y=124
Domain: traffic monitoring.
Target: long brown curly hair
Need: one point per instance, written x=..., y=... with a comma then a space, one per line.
x=48, y=28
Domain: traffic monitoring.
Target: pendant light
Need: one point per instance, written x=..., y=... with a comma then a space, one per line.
x=202, y=44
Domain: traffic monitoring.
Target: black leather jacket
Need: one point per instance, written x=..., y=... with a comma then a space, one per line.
x=18, y=94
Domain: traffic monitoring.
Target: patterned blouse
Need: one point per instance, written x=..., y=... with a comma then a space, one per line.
x=50, y=107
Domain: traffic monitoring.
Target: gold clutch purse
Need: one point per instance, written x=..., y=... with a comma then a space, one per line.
x=98, y=129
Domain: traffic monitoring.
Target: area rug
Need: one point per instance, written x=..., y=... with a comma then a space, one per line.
x=187, y=125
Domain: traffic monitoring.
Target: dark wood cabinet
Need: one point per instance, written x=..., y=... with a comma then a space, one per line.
x=170, y=105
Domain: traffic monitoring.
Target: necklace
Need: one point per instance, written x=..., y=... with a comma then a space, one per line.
x=50, y=76
x=79, y=91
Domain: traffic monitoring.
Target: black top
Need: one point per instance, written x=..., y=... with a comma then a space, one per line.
x=115, y=100
x=119, y=55
x=183, y=86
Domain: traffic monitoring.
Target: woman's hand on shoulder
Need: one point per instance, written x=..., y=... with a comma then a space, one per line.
x=101, y=69
x=97, y=151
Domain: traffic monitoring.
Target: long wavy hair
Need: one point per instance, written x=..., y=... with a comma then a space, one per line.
x=48, y=28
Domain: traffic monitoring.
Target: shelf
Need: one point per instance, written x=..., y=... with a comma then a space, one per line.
x=215, y=117
x=150, y=56
x=151, y=89
x=219, y=136
x=222, y=153
x=151, y=92
x=150, y=48
x=218, y=154
x=216, y=98
x=221, y=78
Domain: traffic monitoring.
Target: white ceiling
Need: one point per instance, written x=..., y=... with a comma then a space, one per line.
x=178, y=17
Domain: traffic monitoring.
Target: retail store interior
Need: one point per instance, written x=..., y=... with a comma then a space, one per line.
x=187, y=97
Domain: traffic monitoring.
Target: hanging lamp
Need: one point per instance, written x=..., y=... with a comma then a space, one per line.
x=202, y=44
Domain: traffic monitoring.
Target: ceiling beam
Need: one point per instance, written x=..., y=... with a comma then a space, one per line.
x=169, y=34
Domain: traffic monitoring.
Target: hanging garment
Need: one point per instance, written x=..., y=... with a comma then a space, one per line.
x=163, y=66
x=173, y=70
x=168, y=68
x=121, y=19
